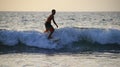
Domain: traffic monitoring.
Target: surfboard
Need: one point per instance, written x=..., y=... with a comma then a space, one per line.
x=55, y=39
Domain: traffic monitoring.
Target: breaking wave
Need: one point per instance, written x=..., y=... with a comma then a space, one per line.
x=68, y=36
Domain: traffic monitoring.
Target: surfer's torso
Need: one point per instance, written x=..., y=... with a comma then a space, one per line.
x=48, y=22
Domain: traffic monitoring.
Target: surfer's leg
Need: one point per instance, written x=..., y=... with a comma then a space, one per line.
x=46, y=31
x=47, y=26
x=51, y=32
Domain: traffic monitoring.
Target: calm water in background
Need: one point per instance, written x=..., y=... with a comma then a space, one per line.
x=35, y=20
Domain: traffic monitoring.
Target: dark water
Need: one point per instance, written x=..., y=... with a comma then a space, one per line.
x=76, y=48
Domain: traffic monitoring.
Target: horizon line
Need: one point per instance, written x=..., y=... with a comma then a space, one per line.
x=50, y=11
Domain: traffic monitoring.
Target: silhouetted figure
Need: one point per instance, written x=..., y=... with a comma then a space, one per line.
x=48, y=25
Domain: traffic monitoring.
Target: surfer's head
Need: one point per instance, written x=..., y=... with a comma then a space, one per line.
x=53, y=11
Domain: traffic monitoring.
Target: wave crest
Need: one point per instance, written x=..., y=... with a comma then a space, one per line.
x=67, y=37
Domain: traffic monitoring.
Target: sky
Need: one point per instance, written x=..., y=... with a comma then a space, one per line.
x=60, y=5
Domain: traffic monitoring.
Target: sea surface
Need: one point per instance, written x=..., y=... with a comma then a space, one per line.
x=77, y=31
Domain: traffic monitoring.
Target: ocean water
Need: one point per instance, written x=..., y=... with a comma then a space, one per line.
x=76, y=31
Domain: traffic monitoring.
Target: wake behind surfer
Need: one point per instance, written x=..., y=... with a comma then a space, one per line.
x=48, y=25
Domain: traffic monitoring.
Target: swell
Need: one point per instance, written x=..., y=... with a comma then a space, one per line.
x=67, y=36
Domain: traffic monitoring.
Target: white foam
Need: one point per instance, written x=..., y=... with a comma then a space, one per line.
x=102, y=36
x=36, y=39
x=30, y=38
x=67, y=36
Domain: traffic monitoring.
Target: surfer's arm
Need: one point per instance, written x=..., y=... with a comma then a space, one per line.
x=55, y=22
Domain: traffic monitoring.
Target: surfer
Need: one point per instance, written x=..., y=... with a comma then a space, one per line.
x=48, y=25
